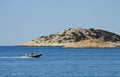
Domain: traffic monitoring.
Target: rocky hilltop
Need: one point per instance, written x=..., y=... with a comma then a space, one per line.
x=78, y=38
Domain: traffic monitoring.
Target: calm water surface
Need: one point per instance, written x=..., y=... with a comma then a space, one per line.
x=59, y=62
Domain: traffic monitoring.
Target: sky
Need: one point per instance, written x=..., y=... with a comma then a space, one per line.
x=24, y=20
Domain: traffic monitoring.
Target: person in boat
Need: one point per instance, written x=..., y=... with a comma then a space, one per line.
x=26, y=54
x=31, y=54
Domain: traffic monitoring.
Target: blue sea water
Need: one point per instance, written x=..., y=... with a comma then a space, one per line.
x=59, y=62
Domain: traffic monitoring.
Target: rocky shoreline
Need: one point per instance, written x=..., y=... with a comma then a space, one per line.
x=78, y=38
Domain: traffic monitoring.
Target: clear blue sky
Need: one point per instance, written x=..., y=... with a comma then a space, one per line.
x=24, y=20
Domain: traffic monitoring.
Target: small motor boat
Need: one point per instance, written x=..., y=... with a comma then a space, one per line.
x=33, y=55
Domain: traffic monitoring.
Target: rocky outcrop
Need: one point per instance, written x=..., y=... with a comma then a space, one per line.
x=72, y=35
x=92, y=43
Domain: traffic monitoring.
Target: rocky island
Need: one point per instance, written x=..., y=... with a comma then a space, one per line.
x=78, y=38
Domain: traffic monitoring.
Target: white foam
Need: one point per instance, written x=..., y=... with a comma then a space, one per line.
x=13, y=57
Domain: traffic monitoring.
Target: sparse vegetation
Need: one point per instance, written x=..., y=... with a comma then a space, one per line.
x=77, y=37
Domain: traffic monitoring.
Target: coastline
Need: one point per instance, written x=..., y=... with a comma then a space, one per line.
x=77, y=45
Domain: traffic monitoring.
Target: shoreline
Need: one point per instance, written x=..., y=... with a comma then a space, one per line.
x=91, y=43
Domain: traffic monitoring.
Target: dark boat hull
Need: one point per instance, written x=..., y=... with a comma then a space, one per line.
x=34, y=56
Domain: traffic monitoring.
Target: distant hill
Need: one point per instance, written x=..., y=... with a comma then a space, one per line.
x=78, y=38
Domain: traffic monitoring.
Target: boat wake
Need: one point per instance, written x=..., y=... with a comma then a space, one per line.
x=13, y=57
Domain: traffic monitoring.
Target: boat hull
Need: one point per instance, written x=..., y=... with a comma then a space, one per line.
x=34, y=56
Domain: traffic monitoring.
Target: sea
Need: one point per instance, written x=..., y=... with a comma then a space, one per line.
x=59, y=62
